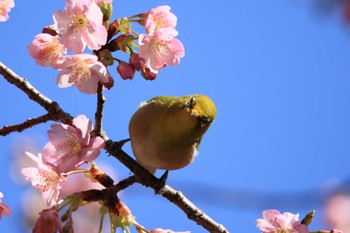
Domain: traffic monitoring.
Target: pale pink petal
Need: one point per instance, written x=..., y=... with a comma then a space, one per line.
x=85, y=125
x=64, y=78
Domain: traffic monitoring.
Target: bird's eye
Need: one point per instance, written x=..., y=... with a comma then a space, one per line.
x=205, y=121
x=191, y=102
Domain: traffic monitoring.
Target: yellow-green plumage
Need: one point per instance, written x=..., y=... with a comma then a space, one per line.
x=165, y=132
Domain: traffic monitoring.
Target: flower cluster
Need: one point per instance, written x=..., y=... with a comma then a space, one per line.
x=275, y=222
x=5, y=8
x=84, y=24
x=157, y=49
x=78, y=27
x=160, y=48
x=69, y=147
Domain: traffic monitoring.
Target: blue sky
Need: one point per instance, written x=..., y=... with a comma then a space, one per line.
x=278, y=72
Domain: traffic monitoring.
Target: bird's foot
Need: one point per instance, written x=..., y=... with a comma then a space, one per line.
x=161, y=182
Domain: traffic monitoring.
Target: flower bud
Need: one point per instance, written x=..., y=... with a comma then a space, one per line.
x=148, y=74
x=107, y=10
x=136, y=61
x=125, y=70
x=48, y=222
x=308, y=218
x=106, y=57
x=109, y=84
x=50, y=30
x=121, y=216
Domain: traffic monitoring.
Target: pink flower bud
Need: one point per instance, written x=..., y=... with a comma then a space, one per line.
x=148, y=74
x=335, y=231
x=109, y=84
x=48, y=222
x=136, y=61
x=125, y=70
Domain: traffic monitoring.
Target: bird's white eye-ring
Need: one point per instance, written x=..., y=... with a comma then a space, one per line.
x=191, y=102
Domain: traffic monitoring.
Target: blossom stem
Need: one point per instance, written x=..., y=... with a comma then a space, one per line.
x=136, y=33
x=75, y=172
x=139, y=227
x=101, y=223
x=64, y=204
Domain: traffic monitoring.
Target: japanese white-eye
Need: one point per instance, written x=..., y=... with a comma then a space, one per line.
x=165, y=132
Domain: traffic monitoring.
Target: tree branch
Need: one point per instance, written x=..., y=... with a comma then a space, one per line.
x=30, y=122
x=174, y=196
x=141, y=175
x=99, y=109
x=51, y=107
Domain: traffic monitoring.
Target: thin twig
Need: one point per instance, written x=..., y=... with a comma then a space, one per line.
x=52, y=108
x=123, y=184
x=30, y=122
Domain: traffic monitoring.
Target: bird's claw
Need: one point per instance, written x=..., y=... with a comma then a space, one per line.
x=119, y=144
x=161, y=182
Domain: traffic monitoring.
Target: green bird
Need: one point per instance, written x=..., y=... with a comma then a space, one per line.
x=166, y=131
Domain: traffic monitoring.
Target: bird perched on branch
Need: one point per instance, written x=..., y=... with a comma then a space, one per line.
x=165, y=132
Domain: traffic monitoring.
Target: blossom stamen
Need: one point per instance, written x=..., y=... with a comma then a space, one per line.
x=79, y=22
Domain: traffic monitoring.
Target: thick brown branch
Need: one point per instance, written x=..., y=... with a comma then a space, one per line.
x=51, y=107
x=176, y=197
x=25, y=125
x=99, y=109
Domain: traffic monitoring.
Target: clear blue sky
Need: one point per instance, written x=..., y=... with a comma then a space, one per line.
x=279, y=75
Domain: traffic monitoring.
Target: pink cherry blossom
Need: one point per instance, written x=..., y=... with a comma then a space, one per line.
x=4, y=209
x=160, y=49
x=5, y=8
x=48, y=222
x=71, y=146
x=160, y=17
x=83, y=70
x=44, y=177
x=47, y=50
x=159, y=230
x=80, y=25
x=274, y=222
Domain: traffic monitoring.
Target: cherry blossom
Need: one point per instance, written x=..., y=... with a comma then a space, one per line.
x=5, y=8
x=44, y=177
x=80, y=25
x=48, y=222
x=84, y=71
x=47, y=50
x=71, y=146
x=160, y=17
x=160, y=49
x=4, y=209
x=275, y=222
x=159, y=230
